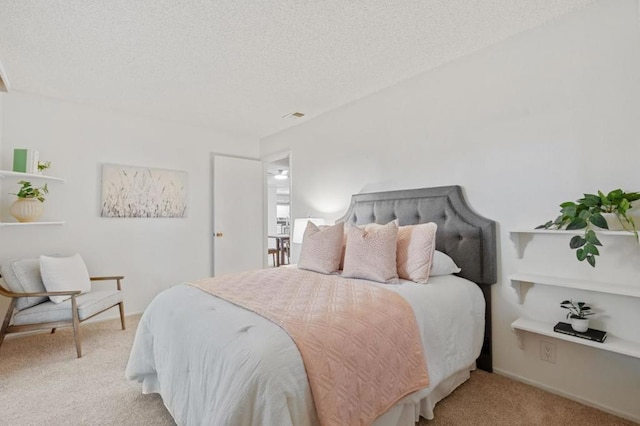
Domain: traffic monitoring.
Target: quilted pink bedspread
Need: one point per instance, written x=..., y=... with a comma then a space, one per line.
x=360, y=343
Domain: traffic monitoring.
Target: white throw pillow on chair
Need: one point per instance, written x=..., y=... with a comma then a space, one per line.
x=64, y=274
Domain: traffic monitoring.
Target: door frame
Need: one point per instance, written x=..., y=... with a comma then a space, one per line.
x=212, y=223
x=270, y=158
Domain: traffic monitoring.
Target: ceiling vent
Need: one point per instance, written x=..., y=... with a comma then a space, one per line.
x=294, y=115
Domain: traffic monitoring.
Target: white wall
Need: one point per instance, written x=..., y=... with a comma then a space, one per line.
x=153, y=254
x=523, y=126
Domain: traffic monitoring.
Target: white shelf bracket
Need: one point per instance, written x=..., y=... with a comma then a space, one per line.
x=519, y=241
x=518, y=288
x=521, y=288
x=520, y=337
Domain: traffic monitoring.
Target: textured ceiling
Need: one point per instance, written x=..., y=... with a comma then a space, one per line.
x=239, y=66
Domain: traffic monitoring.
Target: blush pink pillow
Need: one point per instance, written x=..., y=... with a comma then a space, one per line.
x=416, y=244
x=371, y=252
x=321, y=248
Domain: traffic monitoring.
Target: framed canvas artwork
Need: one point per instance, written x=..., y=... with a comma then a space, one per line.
x=130, y=191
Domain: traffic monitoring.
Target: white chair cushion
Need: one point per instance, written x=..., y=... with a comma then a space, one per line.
x=89, y=304
x=63, y=274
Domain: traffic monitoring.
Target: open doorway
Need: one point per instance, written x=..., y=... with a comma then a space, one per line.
x=278, y=209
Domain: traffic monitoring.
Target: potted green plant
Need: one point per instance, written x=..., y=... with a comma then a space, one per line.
x=43, y=165
x=578, y=314
x=28, y=207
x=589, y=211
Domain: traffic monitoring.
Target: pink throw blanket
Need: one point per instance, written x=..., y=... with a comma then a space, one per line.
x=360, y=343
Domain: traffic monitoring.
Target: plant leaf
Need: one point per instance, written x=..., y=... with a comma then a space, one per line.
x=590, y=200
x=632, y=196
x=545, y=225
x=616, y=194
x=577, y=223
x=591, y=249
x=591, y=260
x=576, y=242
x=584, y=214
x=598, y=220
x=570, y=210
x=581, y=254
x=559, y=220
x=592, y=238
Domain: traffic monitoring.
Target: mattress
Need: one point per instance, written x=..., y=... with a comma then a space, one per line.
x=216, y=363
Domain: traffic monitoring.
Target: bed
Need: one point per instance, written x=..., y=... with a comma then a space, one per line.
x=214, y=362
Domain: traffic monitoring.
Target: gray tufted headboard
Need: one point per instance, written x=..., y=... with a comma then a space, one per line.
x=467, y=237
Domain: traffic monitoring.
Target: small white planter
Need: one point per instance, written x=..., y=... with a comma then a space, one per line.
x=26, y=209
x=580, y=324
x=616, y=224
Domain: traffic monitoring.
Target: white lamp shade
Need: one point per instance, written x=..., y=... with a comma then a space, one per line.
x=299, y=225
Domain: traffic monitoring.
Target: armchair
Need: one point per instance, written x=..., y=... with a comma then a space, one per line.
x=31, y=309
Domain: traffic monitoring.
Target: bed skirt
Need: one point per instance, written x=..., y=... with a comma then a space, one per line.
x=409, y=412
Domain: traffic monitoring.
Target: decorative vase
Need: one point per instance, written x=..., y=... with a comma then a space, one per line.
x=580, y=324
x=26, y=209
x=617, y=224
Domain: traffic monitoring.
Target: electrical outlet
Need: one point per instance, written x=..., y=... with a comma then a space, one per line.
x=548, y=351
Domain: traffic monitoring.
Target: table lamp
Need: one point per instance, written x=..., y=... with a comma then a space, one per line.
x=300, y=224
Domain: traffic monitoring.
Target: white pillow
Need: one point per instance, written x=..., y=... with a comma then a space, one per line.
x=442, y=265
x=64, y=274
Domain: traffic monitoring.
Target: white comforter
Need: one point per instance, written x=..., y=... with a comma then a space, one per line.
x=215, y=363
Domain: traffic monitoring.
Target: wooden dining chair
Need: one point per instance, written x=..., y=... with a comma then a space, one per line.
x=274, y=255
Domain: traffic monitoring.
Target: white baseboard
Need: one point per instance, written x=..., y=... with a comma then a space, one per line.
x=567, y=395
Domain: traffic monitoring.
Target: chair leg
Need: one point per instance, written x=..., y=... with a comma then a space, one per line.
x=76, y=326
x=121, y=306
x=7, y=320
x=53, y=330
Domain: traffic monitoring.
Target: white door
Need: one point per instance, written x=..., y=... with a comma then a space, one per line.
x=238, y=218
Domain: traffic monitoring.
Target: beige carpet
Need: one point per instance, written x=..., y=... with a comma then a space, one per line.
x=42, y=382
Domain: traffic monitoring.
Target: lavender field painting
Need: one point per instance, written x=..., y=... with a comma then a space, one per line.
x=129, y=191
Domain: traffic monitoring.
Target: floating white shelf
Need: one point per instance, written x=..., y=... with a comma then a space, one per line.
x=620, y=289
x=30, y=223
x=20, y=175
x=611, y=343
x=520, y=237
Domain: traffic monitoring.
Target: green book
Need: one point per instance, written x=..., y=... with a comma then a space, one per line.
x=20, y=160
x=25, y=160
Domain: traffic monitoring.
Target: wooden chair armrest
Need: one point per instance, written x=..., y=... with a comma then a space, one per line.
x=117, y=278
x=8, y=293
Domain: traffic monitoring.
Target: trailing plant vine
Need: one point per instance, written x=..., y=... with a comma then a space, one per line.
x=587, y=211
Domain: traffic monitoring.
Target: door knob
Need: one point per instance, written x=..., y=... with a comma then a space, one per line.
x=218, y=234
